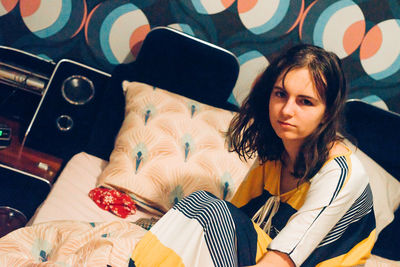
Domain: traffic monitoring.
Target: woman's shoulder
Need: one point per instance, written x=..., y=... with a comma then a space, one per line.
x=338, y=153
x=339, y=149
x=343, y=153
x=343, y=164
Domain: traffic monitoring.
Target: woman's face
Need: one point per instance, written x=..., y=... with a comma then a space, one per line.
x=295, y=107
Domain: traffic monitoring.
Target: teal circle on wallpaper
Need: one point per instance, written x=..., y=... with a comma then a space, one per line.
x=264, y=21
x=207, y=7
x=337, y=26
x=186, y=19
x=380, y=52
x=252, y=63
x=183, y=27
x=115, y=31
x=272, y=17
x=54, y=20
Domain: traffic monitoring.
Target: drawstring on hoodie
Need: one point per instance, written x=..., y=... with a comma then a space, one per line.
x=270, y=207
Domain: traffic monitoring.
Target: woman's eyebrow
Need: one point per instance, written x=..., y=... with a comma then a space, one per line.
x=309, y=97
x=278, y=87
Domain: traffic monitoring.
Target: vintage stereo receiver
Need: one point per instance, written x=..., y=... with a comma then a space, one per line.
x=56, y=103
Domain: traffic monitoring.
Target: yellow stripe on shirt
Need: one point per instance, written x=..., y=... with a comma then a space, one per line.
x=164, y=257
x=356, y=256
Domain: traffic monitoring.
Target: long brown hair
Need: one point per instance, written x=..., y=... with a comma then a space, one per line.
x=250, y=132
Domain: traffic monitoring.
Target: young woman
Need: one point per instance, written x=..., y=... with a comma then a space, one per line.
x=306, y=202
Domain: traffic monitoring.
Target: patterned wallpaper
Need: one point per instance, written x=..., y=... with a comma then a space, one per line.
x=365, y=34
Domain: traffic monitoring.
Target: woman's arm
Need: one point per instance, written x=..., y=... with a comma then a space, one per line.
x=338, y=197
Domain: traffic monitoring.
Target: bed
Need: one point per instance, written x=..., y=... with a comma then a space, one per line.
x=194, y=80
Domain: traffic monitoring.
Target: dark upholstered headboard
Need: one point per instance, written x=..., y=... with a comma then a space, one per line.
x=170, y=60
x=377, y=134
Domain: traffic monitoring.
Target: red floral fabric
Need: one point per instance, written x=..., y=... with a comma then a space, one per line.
x=113, y=201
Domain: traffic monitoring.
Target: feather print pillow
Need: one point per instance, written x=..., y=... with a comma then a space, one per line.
x=170, y=146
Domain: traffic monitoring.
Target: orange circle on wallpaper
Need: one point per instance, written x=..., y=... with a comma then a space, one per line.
x=115, y=31
x=337, y=26
x=208, y=7
x=6, y=6
x=380, y=52
x=270, y=18
x=56, y=20
x=246, y=5
x=137, y=37
x=371, y=44
x=29, y=7
x=353, y=36
x=227, y=3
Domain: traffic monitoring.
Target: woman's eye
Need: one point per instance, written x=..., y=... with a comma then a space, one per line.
x=279, y=94
x=306, y=102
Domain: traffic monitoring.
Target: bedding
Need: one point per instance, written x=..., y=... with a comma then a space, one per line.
x=70, y=229
x=80, y=207
x=68, y=208
x=69, y=200
x=71, y=243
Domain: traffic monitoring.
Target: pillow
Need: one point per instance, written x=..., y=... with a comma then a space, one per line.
x=170, y=146
x=385, y=189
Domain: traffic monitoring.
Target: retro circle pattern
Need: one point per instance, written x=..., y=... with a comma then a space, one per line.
x=6, y=6
x=337, y=26
x=116, y=30
x=251, y=65
x=380, y=52
x=208, y=7
x=183, y=27
x=56, y=20
x=275, y=17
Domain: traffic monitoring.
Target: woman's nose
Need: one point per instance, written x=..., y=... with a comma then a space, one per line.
x=288, y=108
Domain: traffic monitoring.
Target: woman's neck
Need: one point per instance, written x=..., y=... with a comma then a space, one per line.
x=291, y=150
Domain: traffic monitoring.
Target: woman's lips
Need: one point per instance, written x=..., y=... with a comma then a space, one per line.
x=285, y=124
